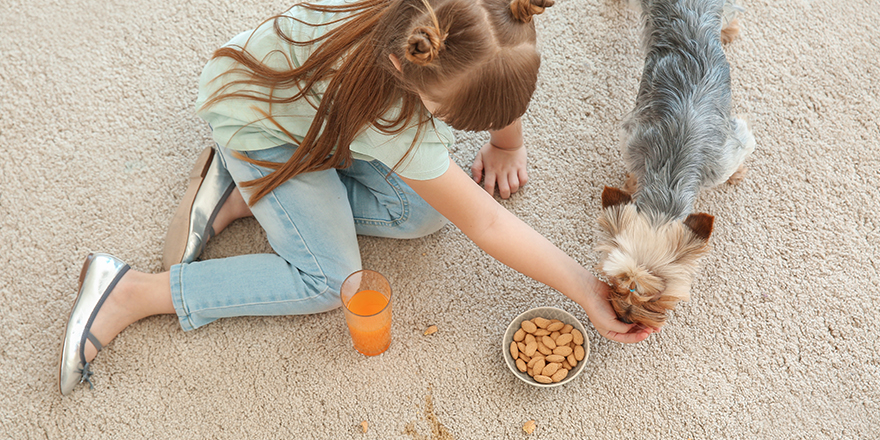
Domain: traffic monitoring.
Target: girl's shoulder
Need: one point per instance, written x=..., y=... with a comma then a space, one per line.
x=298, y=26
x=306, y=23
x=428, y=159
x=303, y=25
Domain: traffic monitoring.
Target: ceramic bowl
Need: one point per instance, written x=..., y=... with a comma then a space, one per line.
x=547, y=313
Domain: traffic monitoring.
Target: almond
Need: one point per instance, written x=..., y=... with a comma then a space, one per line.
x=564, y=339
x=579, y=352
x=577, y=337
x=514, y=350
x=531, y=362
x=539, y=366
x=528, y=326
x=549, y=369
x=544, y=349
x=519, y=335
x=541, y=322
x=559, y=375
x=545, y=379
x=521, y=366
x=562, y=351
x=530, y=349
x=548, y=342
x=529, y=427
x=554, y=358
x=555, y=326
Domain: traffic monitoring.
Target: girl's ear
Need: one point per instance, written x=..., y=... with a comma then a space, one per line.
x=395, y=61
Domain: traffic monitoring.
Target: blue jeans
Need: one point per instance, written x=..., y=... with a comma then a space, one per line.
x=312, y=222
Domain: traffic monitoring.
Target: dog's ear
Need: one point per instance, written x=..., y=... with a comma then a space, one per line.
x=614, y=196
x=700, y=224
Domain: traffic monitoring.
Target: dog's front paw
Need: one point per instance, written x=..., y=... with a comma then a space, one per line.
x=631, y=184
x=738, y=176
x=730, y=32
x=729, y=22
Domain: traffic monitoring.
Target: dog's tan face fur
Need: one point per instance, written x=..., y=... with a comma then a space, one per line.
x=650, y=268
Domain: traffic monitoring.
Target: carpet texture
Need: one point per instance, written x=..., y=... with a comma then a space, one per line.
x=98, y=132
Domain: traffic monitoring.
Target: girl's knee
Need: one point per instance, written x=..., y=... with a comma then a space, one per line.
x=422, y=222
x=331, y=301
x=326, y=283
x=326, y=298
x=432, y=223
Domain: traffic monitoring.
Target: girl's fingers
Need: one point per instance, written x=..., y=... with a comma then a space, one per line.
x=477, y=169
x=523, y=177
x=628, y=338
x=513, y=181
x=489, y=182
x=503, y=188
x=617, y=326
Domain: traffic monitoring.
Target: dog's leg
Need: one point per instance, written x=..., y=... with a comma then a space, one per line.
x=739, y=175
x=743, y=144
x=631, y=184
x=729, y=22
x=730, y=32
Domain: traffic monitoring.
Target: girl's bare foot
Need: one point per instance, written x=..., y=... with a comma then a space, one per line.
x=136, y=296
x=233, y=209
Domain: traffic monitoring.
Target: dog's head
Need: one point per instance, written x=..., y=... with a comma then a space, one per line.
x=650, y=267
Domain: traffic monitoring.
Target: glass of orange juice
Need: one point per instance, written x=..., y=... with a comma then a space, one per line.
x=366, y=298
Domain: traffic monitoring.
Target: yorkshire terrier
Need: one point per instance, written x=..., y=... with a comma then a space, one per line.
x=679, y=139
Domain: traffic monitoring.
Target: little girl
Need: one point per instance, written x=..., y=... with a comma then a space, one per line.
x=333, y=120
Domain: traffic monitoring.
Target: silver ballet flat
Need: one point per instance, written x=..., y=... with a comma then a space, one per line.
x=98, y=277
x=191, y=227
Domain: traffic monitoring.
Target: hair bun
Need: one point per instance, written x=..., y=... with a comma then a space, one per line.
x=523, y=10
x=424, y=45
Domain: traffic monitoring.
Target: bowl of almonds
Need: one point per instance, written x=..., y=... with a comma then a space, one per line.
x=545, y=347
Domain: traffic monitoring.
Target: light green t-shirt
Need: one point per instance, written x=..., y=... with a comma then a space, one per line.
x=238, y=126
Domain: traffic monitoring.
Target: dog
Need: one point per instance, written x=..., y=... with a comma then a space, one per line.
x=679, y=139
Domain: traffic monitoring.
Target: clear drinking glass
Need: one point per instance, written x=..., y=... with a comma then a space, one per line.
x=366, y=298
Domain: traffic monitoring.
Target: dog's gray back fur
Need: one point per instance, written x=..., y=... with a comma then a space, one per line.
x=679, y=136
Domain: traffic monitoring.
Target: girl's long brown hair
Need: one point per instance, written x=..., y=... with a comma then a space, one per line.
x=476, y=58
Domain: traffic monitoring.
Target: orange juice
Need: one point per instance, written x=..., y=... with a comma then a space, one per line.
x=369, y=321
x=367, y=302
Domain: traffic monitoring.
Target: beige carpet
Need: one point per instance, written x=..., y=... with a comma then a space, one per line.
x=97, y=133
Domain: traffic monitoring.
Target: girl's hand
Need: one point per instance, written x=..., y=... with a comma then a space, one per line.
x=501, y=167
x=602, y=315
x=502, y=161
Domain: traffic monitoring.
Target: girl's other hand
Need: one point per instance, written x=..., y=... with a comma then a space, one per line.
x=504, y=168
x=602, y=315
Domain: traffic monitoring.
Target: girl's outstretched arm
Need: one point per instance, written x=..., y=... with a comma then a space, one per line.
x=514, y=243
